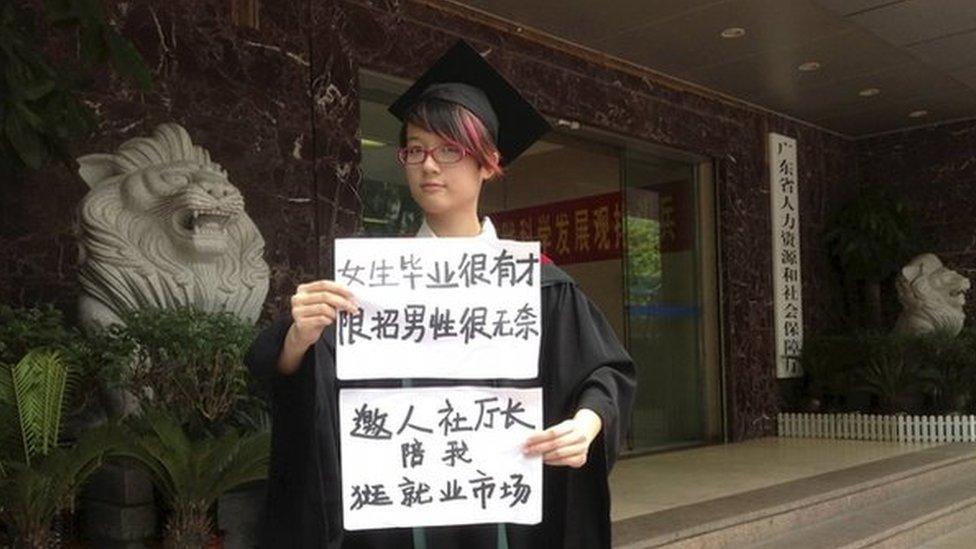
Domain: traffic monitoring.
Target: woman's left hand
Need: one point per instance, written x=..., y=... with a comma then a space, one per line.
x=566, y=443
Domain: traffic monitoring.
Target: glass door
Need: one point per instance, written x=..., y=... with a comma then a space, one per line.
x=663, y=301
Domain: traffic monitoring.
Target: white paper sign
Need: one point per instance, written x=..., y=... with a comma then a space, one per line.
x=787, y=279
x=461, y=308
x=437, y=456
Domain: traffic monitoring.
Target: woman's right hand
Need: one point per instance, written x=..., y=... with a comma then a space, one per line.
x=314, y=307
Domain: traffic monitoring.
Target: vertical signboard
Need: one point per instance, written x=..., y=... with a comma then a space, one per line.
x=787, y=279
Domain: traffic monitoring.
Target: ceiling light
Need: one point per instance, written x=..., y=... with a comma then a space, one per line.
x=918, y=114
x=869, y=92
x=809, y=66
x=733, y=32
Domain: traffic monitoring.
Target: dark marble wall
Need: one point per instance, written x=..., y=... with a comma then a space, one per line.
x=934, y=171
x=278, y=108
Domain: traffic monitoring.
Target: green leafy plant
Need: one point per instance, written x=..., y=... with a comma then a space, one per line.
x=39, y=381
x=886, y=370
x=191, y=363
x=191, y=474
x=898, y=370
x=947, y=365
x=869, y=238
x=39, y=110
x=38, y=476
x=29, y=328
x=33, y=495
x=94, y=359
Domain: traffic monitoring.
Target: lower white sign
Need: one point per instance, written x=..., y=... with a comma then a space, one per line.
x=435, y=456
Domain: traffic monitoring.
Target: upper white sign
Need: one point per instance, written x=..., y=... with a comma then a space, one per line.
x=458, y=308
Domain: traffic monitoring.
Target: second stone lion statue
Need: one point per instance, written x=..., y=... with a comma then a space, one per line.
x=933, y=297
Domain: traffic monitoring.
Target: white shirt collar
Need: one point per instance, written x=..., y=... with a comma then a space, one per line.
x=487, y=230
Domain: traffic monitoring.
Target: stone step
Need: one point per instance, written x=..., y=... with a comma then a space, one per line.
x=756, y=516
x=906, y=521
x=963, y=538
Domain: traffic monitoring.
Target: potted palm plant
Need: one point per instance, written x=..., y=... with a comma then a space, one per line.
x=204, y=432
x=191, y=474
x=887, y=370
x=39, y=476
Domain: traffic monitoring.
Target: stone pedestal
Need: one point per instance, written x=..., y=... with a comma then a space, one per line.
x=239, y=514
x=118, y=506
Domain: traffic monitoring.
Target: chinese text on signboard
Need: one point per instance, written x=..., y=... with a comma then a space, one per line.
x=439, y=308
x=433, y=455
x=474, y=305
x=787, y=289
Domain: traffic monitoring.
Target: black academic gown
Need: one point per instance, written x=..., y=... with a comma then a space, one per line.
x=581, y=364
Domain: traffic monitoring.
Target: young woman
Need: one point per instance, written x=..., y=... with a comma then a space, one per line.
x=461, y=124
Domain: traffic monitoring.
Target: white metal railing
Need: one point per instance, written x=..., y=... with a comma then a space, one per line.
x=890, y=428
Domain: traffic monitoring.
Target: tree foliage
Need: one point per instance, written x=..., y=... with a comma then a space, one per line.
x=40, y=111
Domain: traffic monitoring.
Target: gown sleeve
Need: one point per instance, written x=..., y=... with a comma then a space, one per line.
x=592, y=368
x=296, y=513
x=303, y=506
x=262, y=356
x=582, y=365
x=286, y=392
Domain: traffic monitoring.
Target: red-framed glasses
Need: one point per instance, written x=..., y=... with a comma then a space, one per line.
x=443, y=154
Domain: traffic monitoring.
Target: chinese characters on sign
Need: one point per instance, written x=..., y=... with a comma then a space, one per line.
x=573, y=231
x=454, y=308
x=439, y=455
x=787, y=290
x=473, y=304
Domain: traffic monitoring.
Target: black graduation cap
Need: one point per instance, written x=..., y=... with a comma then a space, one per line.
x=462, y=76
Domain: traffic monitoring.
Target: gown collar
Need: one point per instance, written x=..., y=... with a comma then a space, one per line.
x=487, y=230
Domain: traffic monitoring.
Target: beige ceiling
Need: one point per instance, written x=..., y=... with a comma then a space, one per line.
x=921, y=54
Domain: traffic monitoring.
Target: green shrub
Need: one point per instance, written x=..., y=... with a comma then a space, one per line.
x=31, y=328
x=191, y=363
x=947, y=364
x=886, y=370
x=93, y=360
x=934, y=373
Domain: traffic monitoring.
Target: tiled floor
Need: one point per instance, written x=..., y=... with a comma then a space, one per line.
x=653, y=483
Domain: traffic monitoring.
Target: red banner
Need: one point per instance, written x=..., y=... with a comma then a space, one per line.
x=573, y=231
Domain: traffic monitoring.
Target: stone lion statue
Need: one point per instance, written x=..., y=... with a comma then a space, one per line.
x=932, y=295
x=163, y=227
